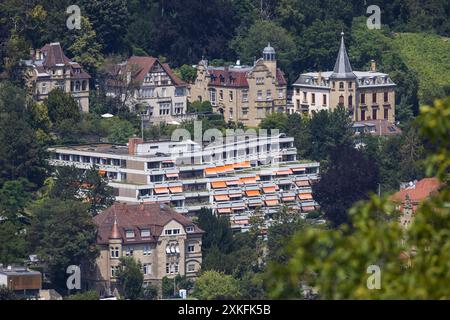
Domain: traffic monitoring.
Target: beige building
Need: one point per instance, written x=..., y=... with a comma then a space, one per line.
x=242, y=93
x=150, y=87
x=368, y=95
x=165, y=242
x=48, y=69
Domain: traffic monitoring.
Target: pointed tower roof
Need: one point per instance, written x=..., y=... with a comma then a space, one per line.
x=115, y=233
x=342, y=68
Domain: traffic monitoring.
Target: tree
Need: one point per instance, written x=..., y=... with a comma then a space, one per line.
x=62, y=233
x=349, y=178
x=276, y=120
x=130, y=278
x=150, y=292
x=62, y=106
x=85, y=49
x=187, y=73
x=66, y=185
x=414, y=262
x=8, y=294
x=87, y=295
x=217, y=231
x=213, y=285
x=20, y=153
x=120, y=131
x=99, y=194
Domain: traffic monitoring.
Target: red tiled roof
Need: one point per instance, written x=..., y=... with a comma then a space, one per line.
x=227, y=77
x=136, y=217
x=422, y=190
x=143, y=66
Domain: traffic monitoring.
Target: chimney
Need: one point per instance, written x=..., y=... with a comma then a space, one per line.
x=373, y=66
x=132, y=145
x=38, y=54
x=319, y=78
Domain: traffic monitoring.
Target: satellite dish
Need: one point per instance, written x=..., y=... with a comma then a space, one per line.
x=107, y=115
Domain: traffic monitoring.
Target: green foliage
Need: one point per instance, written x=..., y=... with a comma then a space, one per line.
x=218, y=231
x=150, y=292
x=8, y=294
x=413, y=262
x=87, y=295
x=213, y=285
x=276, y=120
x=349, y=178
x=120, y=131
x=20, y=153
x=62, y=106
x=130, y=278
x=186, y=73
x=177, y=283
x=200, y=107
x=14, y=246
x=62, y=233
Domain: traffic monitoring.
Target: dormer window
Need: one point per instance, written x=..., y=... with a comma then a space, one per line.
x=145, y=233
x=129, y=234
x=190, y=229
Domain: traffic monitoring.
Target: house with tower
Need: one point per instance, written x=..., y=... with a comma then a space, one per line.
x=242, y=93
x=367, y=95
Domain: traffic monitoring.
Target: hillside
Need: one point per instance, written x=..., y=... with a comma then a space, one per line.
x=429, y=56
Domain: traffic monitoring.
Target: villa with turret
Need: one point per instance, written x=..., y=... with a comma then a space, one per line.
x=242, y=93
x=367, y=95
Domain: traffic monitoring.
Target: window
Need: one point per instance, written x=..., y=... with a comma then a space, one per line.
x=259, y=95
x=231, y=95
x=172, y=268
x=163, y=92
x=363, y=115
x=129, y=251
x=374, y=114
x=313, y=98
x=324, y=100
x=341, y=100
x=350, y=85
x=170, y=232
x=304, y=96
x=245, y=95
x=114, y=270
x=44, y=88
x=114, y=252
x=280, y=94
x=268, y=94
x=164, y=109
x=145, y=233
x=191, y=267
x=350, y=101
x=221, y=95
x=334, y=84
x=374, y=97
x=179, y=107
x=212, y=97
x=363, y=98
x=179, y=92
x=259, y=80
x=386, y=97
x=190, y=229
x=147, y=268
x=130, y=234
x=146, y=250
x=191, y=248
x=341, y=85
x=386, y=113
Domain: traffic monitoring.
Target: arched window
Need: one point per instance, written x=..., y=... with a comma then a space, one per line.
x=84, y=85
x=341, y=85
x=341, y=100
x=350, y=101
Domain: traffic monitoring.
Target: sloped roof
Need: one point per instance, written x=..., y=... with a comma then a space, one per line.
x=152, y=216
x=236, y=77
x=144, y=64
x=342, y=68
x=417, y=193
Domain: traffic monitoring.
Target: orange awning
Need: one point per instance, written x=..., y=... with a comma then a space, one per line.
x=271, y=203
x=298, y=169
x=252, y=193
x=238, y=208
x=210, y=171
x=308, y=208
x=245, y=164
x=172, y=175
x=161, y=190
x=302, y=183
x=220, y=169
x=101, y=172
x=228, y=167
x=233, y=183
x=224, y=210
x=248, y=180
x=269, y=189
x=218, y=184
x=221, y=197
x=283, y=172
x=305, y=196
x=288, y=198
x=176, y=189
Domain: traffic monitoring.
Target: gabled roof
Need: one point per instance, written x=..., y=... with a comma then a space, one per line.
x=236, y=77
x=54, y=55
x=113, y=222
x=143, y=66
x=342, y=68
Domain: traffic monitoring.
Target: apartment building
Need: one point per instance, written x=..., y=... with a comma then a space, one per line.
x=242, y=93
x=165, y=242
x=21, y=280
x=367, y=95
x=235, y=177
x=150, y=87
x=48, y=68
